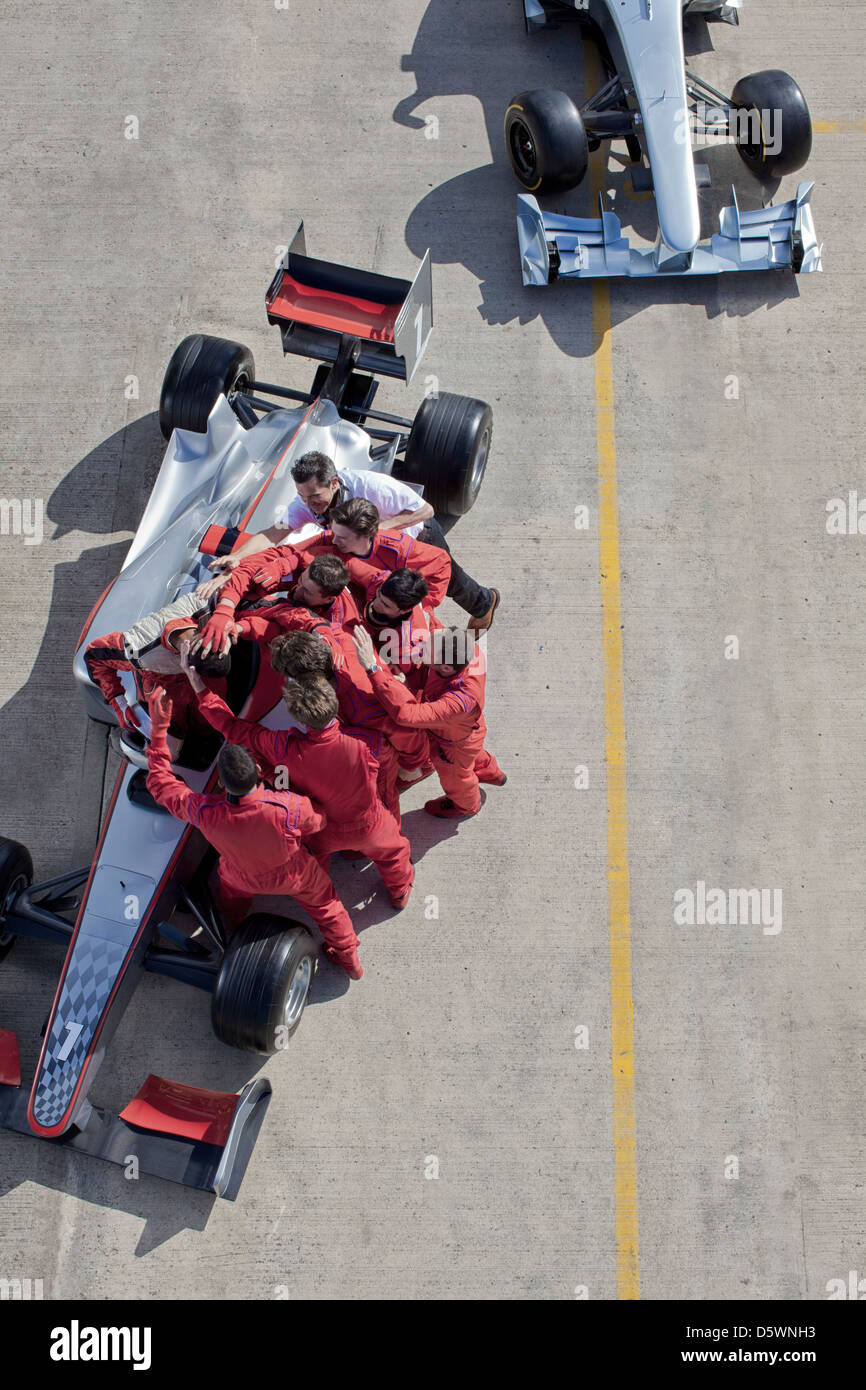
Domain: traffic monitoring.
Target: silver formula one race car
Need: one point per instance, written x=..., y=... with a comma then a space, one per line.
x=650, y=100
x=227, y=467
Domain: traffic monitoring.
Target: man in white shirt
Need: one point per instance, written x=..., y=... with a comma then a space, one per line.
x=320, y=488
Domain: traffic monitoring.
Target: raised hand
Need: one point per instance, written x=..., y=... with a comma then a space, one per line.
x=160, y=710
x=364, y=646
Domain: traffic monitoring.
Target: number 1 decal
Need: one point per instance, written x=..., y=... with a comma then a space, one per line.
x=73, y=1032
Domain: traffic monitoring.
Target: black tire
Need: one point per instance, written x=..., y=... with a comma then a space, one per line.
x=546, y=142
x=201, y=368
x=16, y=872
x=447, y=452
x=778, y=93
x=254, y=1007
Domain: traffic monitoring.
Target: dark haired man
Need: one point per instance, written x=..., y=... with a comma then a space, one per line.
x=321, y=488
x=257, y=833
x=450, y=707
x=399, y=622
x=301, y=655
x=151, y=649
x=318, y=587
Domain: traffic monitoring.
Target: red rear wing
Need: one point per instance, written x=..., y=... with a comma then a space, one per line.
x=317, y=303
x=296, y=302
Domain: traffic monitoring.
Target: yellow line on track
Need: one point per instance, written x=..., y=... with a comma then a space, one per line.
x=619, y=915
x=619, y=908
x=839, y=127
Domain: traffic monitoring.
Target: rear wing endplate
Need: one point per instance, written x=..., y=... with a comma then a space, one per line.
x=318, y=303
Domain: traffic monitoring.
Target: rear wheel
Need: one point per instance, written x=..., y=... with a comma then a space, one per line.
x=546, y=141
x=16, y=873
x=201, y=369
x=774, y=128
x=447, y=452
x=263, y=984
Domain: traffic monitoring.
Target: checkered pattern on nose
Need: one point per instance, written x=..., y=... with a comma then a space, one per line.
x=91, y=976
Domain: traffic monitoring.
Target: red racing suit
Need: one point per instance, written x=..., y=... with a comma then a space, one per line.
x=390, y=550
x=263, y=573
x=340, y=774
x=258, y=837
x=359, y=708
x=252, y=578
x=405, y=648
x=451, y=709
x=267, y=620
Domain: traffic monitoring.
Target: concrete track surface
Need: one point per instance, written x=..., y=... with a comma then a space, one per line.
x=479, y=1044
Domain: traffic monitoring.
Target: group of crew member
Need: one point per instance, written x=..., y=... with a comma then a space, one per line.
x=380, y=694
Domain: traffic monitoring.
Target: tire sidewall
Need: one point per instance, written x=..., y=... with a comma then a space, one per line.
x=555, y=126
x=776, y=91
x=447, y=436
x=200, y=370
x=255, y=979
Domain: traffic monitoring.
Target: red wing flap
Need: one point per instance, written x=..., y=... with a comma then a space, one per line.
x=294, y=302
x=10, y=1062
x=186, y=1112
x=222, y=540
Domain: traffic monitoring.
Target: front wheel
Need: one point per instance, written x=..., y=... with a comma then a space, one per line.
x=773, y=125
x=200, y=371
x=546, y=141
x=16, y=873
x=447, y=452
x=262, y=987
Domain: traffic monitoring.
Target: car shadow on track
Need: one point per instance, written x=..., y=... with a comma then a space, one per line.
x=42, y=726
x=470, y=219
x=365, y=898
x=166, y=1209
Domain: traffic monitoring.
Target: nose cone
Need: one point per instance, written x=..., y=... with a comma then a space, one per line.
x=677, y=207
x=668, y=137
x=654, y=52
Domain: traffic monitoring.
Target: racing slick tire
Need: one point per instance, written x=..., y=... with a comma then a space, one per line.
x=546, y=141
x=447, y=452
x=776, y=92
x=263, y=984
x=200, y=370
x=16, y=872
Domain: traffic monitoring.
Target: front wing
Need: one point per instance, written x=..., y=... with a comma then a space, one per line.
x=780, y=237
x=201, y=1139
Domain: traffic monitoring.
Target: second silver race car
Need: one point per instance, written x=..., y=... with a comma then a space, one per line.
x=651, y=101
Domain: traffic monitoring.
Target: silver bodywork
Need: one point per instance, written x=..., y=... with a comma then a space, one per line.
x=645, y=39
x=213, y=479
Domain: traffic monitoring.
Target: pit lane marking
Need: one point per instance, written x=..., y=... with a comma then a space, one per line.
x=619, y=913
x=839, y=127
